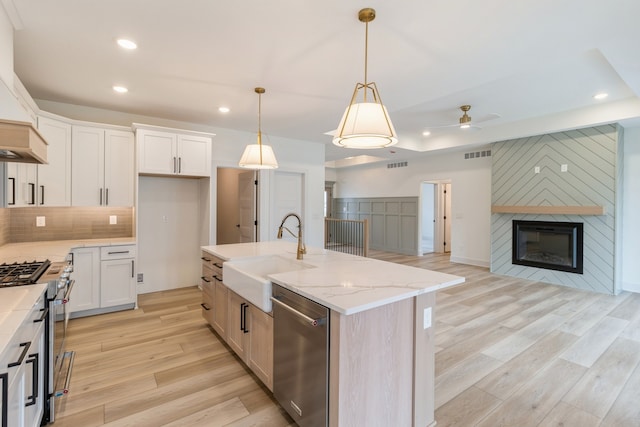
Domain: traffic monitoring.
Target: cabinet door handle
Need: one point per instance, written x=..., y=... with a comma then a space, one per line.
x=132, y=268
x=179, y=164
x=100, y=197
x=33, y=359
x=106, y=197
x=4, y=377
x=174, y=165
x=25, y=350
x=43, y=316
x=13, y=198
x=32, y=186
x=244, y=315
x=42, y=194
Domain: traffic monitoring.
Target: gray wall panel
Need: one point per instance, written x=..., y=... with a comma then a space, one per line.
x=592, y=156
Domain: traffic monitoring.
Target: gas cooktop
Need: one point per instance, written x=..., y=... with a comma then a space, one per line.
x=24, y=273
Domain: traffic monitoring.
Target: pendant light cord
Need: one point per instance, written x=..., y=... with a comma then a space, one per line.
x=366, y=59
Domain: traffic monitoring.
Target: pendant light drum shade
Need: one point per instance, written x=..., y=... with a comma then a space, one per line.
x=365, y=124
x=258, y=156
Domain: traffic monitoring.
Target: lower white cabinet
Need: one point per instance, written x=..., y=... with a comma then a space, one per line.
x=22, y=373
x=104, y=279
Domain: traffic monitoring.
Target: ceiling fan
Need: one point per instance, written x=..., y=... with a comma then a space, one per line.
x=466, y=122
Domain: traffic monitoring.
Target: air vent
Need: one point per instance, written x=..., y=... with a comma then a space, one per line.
x=477, y=154
x=397, y=165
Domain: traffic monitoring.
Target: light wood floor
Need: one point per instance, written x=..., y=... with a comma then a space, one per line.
x=510, y=352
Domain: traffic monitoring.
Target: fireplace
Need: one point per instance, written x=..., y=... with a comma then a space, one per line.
x=550, y=245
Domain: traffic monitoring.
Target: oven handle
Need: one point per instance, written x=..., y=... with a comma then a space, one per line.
x=65, y=390
x=67, y=295
x=33, y=398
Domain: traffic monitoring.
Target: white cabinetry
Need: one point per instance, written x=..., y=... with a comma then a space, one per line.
x=103, y=167
x=105, y=279
x=86, y=273
x=44, y=185
x=166, y=153
x=22, y=372
x=117, y=276
x=54, y=179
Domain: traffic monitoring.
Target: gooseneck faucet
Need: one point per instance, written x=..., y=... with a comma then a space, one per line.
x=301, y=249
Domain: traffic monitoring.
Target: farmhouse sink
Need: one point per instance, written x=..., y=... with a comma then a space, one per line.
x=248, y=277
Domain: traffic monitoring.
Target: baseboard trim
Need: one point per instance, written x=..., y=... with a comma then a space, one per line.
x=470, y=261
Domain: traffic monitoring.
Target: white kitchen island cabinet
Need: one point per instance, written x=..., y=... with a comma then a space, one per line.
x=103, y=170
x=173, y=154
x=381, y=337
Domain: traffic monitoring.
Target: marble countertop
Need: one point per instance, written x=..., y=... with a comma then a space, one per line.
x=54, y=251
x=345, y=283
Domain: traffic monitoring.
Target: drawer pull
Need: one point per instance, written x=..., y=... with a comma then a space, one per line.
x=219, y=279
x=203, y=305
x=217, y=264
x=205, y=279
x=118, y=252
x=25, y=350
x=44, y=311
x=205, y=259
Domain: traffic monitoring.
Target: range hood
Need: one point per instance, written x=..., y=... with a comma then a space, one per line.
x=20, y=142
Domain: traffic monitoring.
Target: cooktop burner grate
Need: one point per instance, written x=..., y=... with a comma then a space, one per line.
x=25, y=273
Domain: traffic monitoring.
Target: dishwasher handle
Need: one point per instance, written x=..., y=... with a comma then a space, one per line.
x=311, y=321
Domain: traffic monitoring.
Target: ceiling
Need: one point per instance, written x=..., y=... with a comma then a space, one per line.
x=531, y=67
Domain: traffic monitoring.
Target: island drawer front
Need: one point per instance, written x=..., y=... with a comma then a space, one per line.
x=117, y=252
x=212, y=262
x=208, y=279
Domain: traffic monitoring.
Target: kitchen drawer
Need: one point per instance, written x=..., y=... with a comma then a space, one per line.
x=207, y=279
x=212, y=262
x=208, y=306
x=117, y=252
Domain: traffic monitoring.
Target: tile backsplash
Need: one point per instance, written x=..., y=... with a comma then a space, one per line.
x=64, y=223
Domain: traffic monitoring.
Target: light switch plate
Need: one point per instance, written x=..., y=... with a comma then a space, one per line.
x=426, y=321
x=564, y=168
x=113, y=219
x=40, y=221
x=536, y=169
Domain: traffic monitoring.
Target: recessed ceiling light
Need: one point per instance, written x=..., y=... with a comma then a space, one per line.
x=127, y=44
x=426, y=133
x=120, y=89
x=600, y=96
x=224, y=109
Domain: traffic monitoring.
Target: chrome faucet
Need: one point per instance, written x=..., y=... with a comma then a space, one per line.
x=301, y=248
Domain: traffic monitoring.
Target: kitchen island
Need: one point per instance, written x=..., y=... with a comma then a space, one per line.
x=381, y=360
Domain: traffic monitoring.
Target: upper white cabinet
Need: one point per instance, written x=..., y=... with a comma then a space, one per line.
x=168, y=153
x=44, y=185
x=54, y=179
x=103, y=167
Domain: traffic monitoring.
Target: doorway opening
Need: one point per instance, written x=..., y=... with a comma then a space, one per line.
x=236, y=206
x=435, y=219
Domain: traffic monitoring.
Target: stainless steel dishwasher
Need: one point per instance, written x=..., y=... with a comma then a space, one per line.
x=300, y=357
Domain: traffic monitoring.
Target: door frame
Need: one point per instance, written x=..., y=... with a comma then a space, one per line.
x=438, y=238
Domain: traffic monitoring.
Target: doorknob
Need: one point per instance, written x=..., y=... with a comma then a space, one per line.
x=238, y=225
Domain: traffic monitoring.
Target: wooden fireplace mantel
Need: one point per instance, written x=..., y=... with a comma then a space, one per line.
x=550, y=210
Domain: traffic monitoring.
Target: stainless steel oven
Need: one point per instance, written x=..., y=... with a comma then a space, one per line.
x=60, y=361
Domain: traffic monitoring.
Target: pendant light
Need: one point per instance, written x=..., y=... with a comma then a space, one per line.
x=365, y=124
x=258, y=156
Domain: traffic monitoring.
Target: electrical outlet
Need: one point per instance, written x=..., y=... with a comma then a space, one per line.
x=536, y=169
x=564, y=168
x=40, y=221
x=113, y=219
x=140, y=277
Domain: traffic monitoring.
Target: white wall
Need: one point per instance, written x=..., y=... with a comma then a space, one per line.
x=471, y=195
x=631, y=211
x=6, y=49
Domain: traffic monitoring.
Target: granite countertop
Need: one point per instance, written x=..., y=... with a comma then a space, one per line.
x=345, y=283
x=54, y=251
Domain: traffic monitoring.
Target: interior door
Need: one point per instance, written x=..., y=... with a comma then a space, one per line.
x=446, y=204
x=247, y=206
